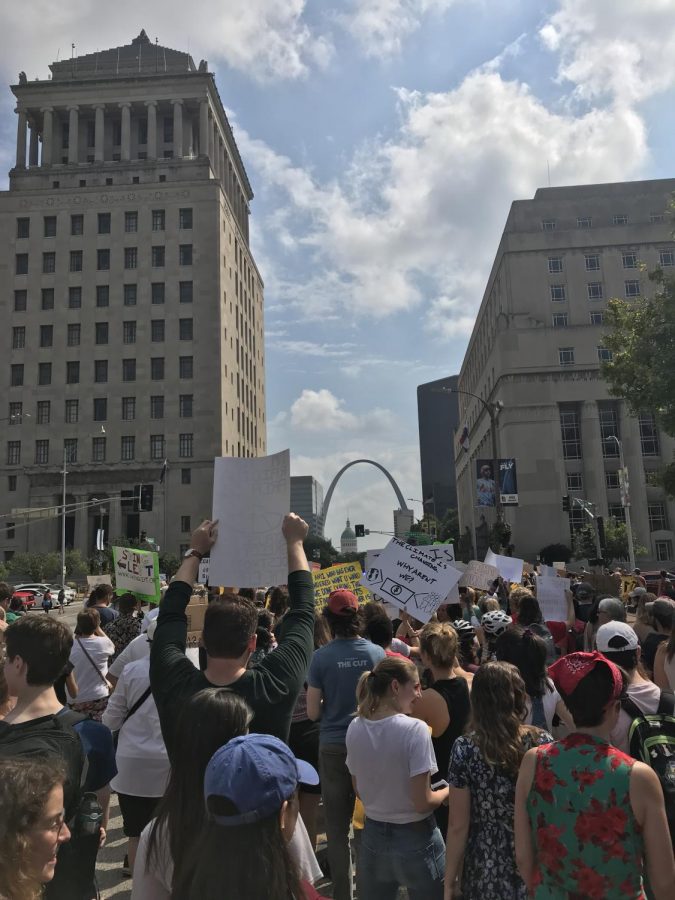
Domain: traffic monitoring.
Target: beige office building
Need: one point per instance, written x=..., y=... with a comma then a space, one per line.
x=131, y=303
x=536, y=349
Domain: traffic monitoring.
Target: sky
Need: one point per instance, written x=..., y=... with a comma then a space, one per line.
x=385, y=141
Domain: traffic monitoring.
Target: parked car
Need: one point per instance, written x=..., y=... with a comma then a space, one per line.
x=29, y=599
x=32, y=586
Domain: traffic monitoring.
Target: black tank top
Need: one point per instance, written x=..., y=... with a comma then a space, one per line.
x=455, y=692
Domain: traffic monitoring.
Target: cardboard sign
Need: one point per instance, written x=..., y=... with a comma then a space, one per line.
x=94, y=580
x=509, y=568
x=137, y=572
x=479, y=575
x=551, y=597
x=411, y=579
x=343, y=575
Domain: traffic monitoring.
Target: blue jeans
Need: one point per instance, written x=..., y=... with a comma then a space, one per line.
x=411, y=856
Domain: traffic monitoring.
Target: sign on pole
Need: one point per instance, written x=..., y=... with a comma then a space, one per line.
x=137, y=572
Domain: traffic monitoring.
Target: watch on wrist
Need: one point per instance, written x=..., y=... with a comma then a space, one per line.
x=193, y=552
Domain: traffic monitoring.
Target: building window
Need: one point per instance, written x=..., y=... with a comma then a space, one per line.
x=50, y=226
x=566, y=356
x=103, y=260
x=104, y=223
x=21, y=264
x=18, y=337
x=74, y=298
x=167, y=128
x=100, y=409
x=9, y=533
x=46, y=335
x=101, y=332
x=157, y=257
x=157, y=368
x=621, y=219
x=658, y=521
x=73, y=338
x=629, y=260
x=558, y=292
x=156, y=446
x=16, y=375
x=47, y=298
x=548, y=225
x=185, y=406
x=102, y=295
x=100, y=371
x=185, y=291
x=584, y=222
x=649, y=436
x=98, y=449
x=72, y=372
x=185, y=329
x=157, y=406
x=49, y=263
x=41, y=452
x=72, y=413
x=158, y=220
x=185, y=524
x=157, y=331
x=656, y=218
x=575, y=481
x=22, y=228
x=43, y=413
x=571, y=434
x=185, y=446
x=666, y=258
x=555, y=264
x=157, y=292
x=128, y=447
x=592, y=262
x=185, y=218
x=609, y=429
x=20, y=301
x=594, y=289
x=15, y=413
x=11, y=482
x=70, y=450
x=130, y=294
x=185, y=367
x=598, y=317
x=130, y=222
x=611, y=480
x=44, y=373
x=185, y=255
x=604, y=355
x=77, y=224
x=560, y=320
x=616, y=511
x=129, y=332
x=185, y=476
x=142, y=131
x=632, y=288
x=130, y=257
x=13, y=453
x=75, y=260
x=128, y=370
x=664, y=549
x=128, y=408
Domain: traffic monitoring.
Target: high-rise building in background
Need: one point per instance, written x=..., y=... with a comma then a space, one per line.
x=536, y=349
x=307, y=502
x=132, y=305
x=438, y=418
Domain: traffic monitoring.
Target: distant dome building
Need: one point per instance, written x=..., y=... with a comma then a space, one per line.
x=348, y=540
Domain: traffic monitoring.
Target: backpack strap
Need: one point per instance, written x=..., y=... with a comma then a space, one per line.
x=137, y=705
x=666, y=703
x=94, y=666
x=632, y=708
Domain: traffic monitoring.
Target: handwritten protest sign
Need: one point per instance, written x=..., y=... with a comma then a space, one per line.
x=253, y=495
x=203, y=576
x=479, y=575
x=509, y=568
x=137, y=572
x=443, y=552
x=410, y=578
x=551, y=597
x=344, y=575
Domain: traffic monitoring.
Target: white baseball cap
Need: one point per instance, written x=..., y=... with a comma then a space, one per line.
x=615, y=637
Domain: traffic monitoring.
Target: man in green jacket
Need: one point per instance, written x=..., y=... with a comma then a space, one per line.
x=271, y=686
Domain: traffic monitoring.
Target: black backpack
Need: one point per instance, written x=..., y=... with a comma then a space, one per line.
x=651, y=739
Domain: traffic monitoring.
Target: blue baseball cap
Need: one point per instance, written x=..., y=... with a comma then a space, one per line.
x=256, y=773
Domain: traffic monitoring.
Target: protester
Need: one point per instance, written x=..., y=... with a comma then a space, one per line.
x=251, y=797
x=61, y=600
x=265, y=639
x=126, y=626
x=16, y=609
x=136, y=649
x=271, y=687
x=661, y=613
x=278, y=603
x=583, y=595
x=3, y=623
x=605, y=609
x=445, y=706
x=331, y=697
x=482, y=777
x=89, y=657
x=47, y=601
x=32, y=826
x=492, y=625
x=100, y=599
x=467, y=597
x=391, y=759
x=468, y=649
x=516, y=595
x=378, y=629
x=6, y=702
x=529, y=616
x=587, y=814
x=664, y=664
x=5, y=600
x=643, y=625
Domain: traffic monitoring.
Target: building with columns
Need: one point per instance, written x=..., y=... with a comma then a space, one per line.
x=132, y=303
x=536, y=349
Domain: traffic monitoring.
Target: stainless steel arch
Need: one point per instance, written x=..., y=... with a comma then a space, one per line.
x=354, y=462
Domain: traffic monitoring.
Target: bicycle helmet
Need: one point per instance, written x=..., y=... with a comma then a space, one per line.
x=464, y=629
x=495, y=623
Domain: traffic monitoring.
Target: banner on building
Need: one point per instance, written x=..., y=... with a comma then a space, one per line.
x=486, y=493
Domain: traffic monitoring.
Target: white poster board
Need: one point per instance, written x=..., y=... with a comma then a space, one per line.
x=443, y=552
x=250, y=499
x=551, y=597
x=411, y=579
x=93, y=580
x=509, y=568
x=203, y=576
x=137, y=572
x=479, y=575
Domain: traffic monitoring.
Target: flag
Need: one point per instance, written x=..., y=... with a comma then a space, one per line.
x=464, y=439
x=100, y=539
x=162, y=474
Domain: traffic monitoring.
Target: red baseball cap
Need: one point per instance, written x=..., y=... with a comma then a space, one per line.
x=569, y=670
x=342, y=601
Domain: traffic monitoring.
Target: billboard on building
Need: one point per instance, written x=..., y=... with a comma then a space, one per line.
x=485, y=482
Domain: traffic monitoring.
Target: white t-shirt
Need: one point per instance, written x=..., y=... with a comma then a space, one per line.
x=550, y=701
x=383, y=755
x=399, y=646
x=136, y=649
x=90, y=685
x=645, y=695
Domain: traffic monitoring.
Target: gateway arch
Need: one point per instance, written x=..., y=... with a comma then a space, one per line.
x=354, y=462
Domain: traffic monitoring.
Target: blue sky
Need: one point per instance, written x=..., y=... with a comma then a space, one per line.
x=385, y=141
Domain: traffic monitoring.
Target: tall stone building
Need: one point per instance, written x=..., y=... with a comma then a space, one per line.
x=307, y=502
x=534, y=356
x=132, y=305
x=438, y=420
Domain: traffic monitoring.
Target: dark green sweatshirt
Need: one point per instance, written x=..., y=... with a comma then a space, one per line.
x=270, y=687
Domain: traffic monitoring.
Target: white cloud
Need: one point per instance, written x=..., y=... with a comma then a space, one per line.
x=321, y=411
x=311, y=348
x=380, y=26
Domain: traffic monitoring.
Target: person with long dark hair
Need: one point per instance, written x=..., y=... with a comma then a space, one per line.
x=250, y=794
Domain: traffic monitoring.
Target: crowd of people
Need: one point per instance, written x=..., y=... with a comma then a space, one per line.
x=484, y=754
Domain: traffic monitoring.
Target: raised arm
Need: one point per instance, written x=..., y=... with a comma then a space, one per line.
x=295, y=529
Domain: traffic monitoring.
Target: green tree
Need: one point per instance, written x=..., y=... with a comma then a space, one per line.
x=77, y=567
x=449, y=528
x=26, y=567
x=555, y=553
x=51, y=568
x=169, y=564
x=320, y=550
x=584, y=545
x=500, y=537
x=616, y=542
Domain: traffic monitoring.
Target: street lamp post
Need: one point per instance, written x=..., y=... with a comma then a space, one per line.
x=63, y=523
x=625, y=499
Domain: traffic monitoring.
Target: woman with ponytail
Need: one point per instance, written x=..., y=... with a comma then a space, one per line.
x=391, y=760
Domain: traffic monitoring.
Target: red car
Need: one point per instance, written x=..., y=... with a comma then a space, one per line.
x=28, y=598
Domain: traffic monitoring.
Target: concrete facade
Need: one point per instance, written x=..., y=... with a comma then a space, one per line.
x=536, y=348
x=307, y=502
x=438, y=420
x=132, y=303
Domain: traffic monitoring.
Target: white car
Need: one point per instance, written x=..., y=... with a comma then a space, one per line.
x=42, y=588
x=71, y=594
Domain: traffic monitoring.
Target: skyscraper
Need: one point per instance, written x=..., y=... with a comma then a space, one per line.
x=307, y=502
x=438, y=419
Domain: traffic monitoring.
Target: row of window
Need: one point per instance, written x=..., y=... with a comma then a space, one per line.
x=166, y=134
x=566, y=355
x=99, y=449
x=587, y=221
x=594, y=290
x=129, y=295
x=157, y=259
x=43, y=410
x=656, y=512
x=185, y=478
x=570, y=427
x=561, y=320
x=101, y=333
x=629, y=260
x=575, y=480
x=104, y=223
x=157, y=369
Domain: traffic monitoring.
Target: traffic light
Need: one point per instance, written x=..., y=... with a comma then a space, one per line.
x=143, y=494
x=360, y=530
x=566, y=503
